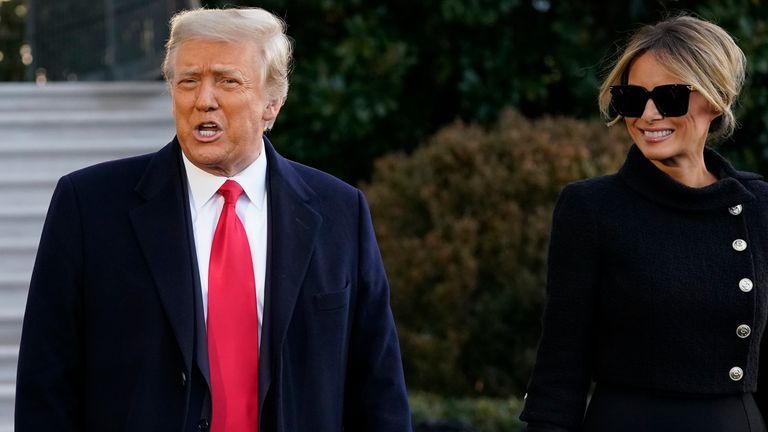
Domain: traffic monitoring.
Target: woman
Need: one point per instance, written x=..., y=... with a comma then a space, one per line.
x=658, y=274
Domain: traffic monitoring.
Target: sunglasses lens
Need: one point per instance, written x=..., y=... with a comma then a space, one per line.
x=629, y=101
x=671, y=100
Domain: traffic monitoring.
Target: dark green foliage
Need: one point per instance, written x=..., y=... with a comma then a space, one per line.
x=12, y=16
x=748, y=22
x=463, y=225
x=481, y=414
x=374, y=77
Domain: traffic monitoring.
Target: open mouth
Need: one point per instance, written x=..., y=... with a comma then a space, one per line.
x=657, y=134
x=207, y=131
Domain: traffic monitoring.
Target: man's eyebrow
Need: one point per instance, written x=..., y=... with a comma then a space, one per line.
x=188, y=72
x=225, y=70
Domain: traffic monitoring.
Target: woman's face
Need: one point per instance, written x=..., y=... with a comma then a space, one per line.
x=667, y=139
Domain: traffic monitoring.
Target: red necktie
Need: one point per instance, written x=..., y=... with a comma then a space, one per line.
x=233, y=326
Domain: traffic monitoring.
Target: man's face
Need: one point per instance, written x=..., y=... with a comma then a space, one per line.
x=220, y=105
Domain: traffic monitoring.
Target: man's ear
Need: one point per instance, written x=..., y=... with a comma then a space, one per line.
x=272, y=109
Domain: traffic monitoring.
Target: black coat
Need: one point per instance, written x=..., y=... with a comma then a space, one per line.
x=647, y=289
x=114, y=338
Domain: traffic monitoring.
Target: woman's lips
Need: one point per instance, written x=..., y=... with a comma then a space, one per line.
x=657, y=135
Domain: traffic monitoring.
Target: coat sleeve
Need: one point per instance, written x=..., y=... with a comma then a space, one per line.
x=557, y=391
x=49, y=392
x=376, y=398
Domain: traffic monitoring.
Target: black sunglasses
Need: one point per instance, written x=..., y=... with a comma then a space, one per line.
x=671, y=99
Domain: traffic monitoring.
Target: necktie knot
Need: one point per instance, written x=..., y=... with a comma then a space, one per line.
x=231, y=191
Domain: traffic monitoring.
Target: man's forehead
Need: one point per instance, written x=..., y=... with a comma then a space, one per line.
x=199, y=55
x=204, y=49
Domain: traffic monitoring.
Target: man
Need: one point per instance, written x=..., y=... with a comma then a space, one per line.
x=212, y=284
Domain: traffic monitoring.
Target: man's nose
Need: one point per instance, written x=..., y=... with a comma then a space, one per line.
x=206, y=96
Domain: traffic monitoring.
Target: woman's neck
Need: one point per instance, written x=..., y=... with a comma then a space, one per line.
x=690, y=171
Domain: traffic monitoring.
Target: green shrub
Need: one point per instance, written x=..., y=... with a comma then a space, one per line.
x=463, y=226
x=373, y=77
x=482, y=414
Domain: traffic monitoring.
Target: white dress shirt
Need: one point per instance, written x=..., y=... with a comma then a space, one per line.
x=205, y=208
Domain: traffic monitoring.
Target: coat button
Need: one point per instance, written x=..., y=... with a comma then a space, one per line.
x=735, y=210
x=183, y=379
x=204, y=426
x=739, y=245
x=736, y=373
x=745, y=285
x=743, y=331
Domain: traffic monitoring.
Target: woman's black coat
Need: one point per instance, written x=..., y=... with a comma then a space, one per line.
x=654, y=285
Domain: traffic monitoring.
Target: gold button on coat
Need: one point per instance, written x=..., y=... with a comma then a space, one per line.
x=735, y=210
x=739, y=245
x=736, y=373
x=745, y=285
x=743, y=331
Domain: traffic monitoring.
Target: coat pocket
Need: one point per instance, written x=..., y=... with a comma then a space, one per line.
x=332, y=300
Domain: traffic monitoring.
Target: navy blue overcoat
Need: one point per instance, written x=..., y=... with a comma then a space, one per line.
x=114, y=336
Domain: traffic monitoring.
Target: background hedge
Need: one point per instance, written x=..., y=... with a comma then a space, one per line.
x=476, y=414
x=463, y=225
x=375, y=77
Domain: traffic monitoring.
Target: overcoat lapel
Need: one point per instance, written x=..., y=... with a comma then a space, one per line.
x=161, y=229
x=293, y=227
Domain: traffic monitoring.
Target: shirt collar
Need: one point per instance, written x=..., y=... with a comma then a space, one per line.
x=203, y=185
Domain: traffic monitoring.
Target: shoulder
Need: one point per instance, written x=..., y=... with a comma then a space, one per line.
x=753, y=182
x=340, y=204
x=585, y=204
x=324, y=185
x=592, y=190
x=113, y=173
x=102, y=191
x=310, y=183
x=143, y=174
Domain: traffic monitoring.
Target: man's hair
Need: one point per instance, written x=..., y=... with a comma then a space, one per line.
x=247, y=25
x=696, y=51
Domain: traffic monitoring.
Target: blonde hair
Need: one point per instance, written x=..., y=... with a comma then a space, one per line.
x=247, y=25
x=696, y=51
